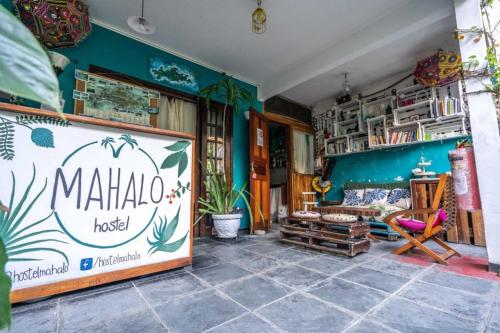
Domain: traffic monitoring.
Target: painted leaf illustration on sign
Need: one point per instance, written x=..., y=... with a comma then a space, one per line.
x=162, y=233
x=16, y=226
x=40, y=136
x=179, y=145
x=178, y=192
x=41, y=120
x=6, y=140
x=179, y=158
x=109, y=142
x=5, y=286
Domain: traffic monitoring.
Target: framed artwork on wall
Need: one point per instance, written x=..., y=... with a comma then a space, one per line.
x=173, y=74
x=101, y=97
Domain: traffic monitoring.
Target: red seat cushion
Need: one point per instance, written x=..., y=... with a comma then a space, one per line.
x=419, y=226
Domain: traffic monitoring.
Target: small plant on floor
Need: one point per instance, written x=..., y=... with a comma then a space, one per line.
x=220, y=201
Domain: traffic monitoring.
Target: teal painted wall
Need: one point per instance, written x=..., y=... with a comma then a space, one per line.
x=385, y=165
x=116, y=52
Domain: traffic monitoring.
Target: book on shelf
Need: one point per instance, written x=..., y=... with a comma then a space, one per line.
x=378, y=140
x=337, y=148
x=404, y=136
x=446, y=107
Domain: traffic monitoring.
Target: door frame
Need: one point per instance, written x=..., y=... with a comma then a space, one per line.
x=290, y=124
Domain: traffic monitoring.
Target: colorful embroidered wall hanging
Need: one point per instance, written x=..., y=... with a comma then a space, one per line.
x=440, y=69
x=56, y=23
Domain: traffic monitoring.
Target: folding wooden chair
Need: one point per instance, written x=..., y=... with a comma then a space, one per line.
x=436, y=223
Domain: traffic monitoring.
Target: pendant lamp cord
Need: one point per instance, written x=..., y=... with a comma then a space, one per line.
x=142, y=10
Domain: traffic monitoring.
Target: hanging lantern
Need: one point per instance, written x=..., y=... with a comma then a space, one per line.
x=55, y=23
x=439, y=69
x=259, y=18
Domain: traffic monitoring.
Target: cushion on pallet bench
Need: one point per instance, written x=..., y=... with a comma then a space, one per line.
x=419, y=226
x=306, y=214
x=340, y=218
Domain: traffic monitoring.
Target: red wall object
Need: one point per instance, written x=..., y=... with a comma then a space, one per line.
x=463, y=168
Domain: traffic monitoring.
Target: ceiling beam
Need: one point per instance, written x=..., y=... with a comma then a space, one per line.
x=400, y=23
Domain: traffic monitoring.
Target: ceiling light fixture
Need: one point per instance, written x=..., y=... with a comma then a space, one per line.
x=140, y=24
x=347, y=85
x=259, y=18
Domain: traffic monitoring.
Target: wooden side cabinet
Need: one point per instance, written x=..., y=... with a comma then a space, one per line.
x=469, y=227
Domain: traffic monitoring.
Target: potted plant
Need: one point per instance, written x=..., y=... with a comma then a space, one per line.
x=231, y=93
x=220, y=202
x=25, y=71
x=221, y=198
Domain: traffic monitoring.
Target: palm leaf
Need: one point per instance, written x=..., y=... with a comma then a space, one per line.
x=5, y=285
x=19, y=241
x=162, y=233
x=172, y=247
x=13, y=213
x=171, y=227
x=26, y=211
x=31, y=225
x=22, y=245
x=15, y=240
x=36, y=249
x=7, y=140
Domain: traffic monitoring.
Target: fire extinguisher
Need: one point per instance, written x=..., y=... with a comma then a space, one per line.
x=463, y=169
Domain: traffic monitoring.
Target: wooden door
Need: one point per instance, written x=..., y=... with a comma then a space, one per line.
x=259, y=170
x=299, y=181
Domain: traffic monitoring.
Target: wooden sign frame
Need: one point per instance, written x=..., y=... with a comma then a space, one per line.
x=103, y=278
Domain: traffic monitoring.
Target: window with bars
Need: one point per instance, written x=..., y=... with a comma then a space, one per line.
x=214, y=140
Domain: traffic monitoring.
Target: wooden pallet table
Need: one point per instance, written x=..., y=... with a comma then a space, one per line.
x=378, y=229
x=347, y=239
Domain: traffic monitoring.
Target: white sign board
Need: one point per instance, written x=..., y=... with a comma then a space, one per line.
x=260, y=137
x=87, y=199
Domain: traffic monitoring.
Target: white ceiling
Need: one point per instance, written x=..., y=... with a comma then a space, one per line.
x=366, y=71
x=218, y=33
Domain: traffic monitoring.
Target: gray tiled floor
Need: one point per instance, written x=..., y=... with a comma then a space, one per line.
x=261, y=285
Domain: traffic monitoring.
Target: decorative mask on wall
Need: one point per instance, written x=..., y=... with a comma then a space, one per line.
x=55, y=23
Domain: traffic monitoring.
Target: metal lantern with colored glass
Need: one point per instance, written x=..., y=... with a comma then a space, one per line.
x=55, y=23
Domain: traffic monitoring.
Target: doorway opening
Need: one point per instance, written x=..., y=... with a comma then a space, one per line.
x=279, y=160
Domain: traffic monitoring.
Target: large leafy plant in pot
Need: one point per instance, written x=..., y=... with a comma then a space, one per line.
x=25, y=71
x=221, y=203
x=233, y=94
x=221, y=198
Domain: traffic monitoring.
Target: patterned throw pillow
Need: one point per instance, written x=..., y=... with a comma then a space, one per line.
x=376, y=196
x=400, y=197
x=353, y=197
